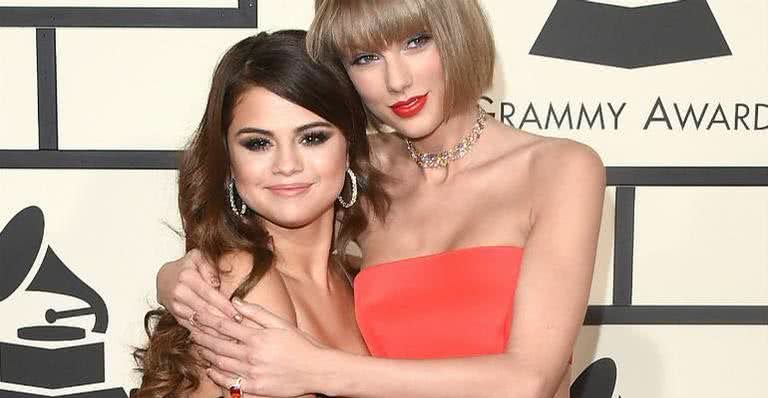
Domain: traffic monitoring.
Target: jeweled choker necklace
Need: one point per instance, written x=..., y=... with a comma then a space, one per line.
x=433, y=160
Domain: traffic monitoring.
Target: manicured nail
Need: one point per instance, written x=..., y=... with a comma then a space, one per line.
x=238, y=318
x=237, y=301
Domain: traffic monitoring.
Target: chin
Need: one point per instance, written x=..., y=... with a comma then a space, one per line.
x=416, y=127
x=292, y=221
x=295, y=216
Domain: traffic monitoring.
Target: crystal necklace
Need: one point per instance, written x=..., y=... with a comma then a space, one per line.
x=432, y=160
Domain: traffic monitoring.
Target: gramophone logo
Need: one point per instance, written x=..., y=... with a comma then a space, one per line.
x=29, y=361
x=631, y=37
x=596, y=381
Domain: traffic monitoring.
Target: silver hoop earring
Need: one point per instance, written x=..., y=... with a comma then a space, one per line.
x=231, y=191
x=352, y=200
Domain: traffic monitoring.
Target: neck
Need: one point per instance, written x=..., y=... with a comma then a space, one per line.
x=448, y=133
x=302, y=253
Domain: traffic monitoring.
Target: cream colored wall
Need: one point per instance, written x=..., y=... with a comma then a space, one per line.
x=144, y=89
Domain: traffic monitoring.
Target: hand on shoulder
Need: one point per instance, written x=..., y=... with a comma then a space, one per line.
x=269, y=292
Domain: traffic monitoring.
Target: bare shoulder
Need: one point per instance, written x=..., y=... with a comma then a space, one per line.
x=269, y=292
x=544, y=157
x=557, y=161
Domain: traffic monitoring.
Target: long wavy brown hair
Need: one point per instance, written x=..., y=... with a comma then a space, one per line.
x=279, y=63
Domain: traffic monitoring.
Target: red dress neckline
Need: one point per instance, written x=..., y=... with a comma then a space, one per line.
x=439, y=254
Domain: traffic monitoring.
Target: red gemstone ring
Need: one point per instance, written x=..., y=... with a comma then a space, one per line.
x=234, y=388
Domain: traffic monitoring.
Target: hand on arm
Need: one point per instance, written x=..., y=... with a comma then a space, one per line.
x=190, y=284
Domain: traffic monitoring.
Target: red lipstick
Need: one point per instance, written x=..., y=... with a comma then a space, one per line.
x=289, y=189
x=409, y=107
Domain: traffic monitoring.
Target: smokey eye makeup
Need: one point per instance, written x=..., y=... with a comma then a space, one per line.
x=256, y=143
x=314, y=138
x=259, y=143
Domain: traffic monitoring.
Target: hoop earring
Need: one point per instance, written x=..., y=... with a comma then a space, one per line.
x=231, y=192
x=352, y=200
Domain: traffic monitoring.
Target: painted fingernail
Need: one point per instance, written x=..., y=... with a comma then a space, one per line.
x=237, y=301
x=238, y=318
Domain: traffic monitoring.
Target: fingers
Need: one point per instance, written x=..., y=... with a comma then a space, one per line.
x=204, y=281
x=225, y=326
x=261, y=315
x=225, y=363
x=221, y=304
x=183, y=312
x=184, y=286
x=205, y=268
x=198, y=327
x=219, y=346
x=225, y=379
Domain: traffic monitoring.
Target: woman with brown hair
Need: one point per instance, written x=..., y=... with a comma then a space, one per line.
x=477, y=282
x=260, y=186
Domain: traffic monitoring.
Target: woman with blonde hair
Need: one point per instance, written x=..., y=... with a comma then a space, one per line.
x=476, y=283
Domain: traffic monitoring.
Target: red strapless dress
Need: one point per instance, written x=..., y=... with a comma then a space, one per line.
x=451, y=304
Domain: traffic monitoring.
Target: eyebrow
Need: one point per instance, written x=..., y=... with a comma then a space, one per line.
x=297, y=130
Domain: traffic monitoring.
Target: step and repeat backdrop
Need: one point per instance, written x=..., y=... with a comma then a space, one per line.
x=97, y=97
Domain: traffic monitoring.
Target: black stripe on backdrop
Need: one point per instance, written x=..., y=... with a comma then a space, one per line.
x=244, y=16
x=688, y=176
x=47, y=107
x=677, y=315
x=89, y=159
x=623, y=245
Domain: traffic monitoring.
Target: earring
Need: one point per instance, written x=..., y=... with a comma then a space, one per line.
x=352, y=200
x=231, y=191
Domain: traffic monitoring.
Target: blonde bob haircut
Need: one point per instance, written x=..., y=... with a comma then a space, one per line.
x=342, y=28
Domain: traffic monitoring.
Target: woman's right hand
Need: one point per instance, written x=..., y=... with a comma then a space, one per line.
x=189, y=285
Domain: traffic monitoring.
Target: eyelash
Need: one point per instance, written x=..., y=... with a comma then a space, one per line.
x=420, y=39
x=257, y=144
x=312, y=138
x=423, y=39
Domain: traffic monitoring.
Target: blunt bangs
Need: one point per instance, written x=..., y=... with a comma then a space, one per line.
x=357, y=26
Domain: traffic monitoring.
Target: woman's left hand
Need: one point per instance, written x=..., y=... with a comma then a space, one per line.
x=272, y=357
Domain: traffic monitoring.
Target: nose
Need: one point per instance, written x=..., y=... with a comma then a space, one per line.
x=398, y=74
x=287, y=161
